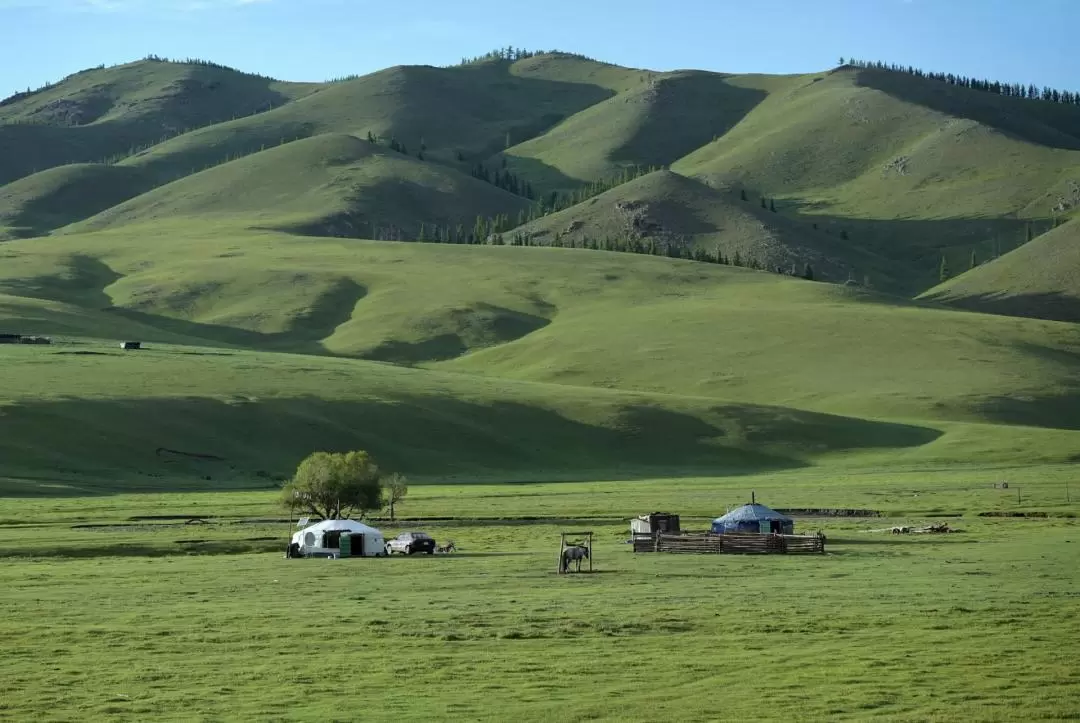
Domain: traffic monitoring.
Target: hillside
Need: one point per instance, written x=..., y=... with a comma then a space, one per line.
x=1041, y=279
x=674, y=210
x=331, y=184
x=104, y=112
x=889, y=171
x=662, y=119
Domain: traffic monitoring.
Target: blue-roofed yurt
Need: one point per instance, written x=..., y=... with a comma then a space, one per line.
x=753, y=518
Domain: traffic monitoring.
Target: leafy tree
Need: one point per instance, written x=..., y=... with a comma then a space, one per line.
x=943, y=270
x=397, y=486
x=335, y=486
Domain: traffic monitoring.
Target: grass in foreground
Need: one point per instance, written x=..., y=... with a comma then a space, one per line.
x=972, y=626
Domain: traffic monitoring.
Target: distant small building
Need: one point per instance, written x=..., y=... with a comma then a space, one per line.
x=131, y=345
x=10, y=338
x=35, y=340
x=753, y=518
x=653, y=523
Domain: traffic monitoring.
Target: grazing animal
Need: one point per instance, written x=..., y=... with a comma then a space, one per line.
x=447, y=548
x=901, y=530
x=575, y=553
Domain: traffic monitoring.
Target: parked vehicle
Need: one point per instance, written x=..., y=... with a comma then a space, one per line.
x=410, y=543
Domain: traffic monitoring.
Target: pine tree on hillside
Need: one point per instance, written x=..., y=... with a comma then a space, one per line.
x=742, y=194
x=371, y=138
x=808, y=272
x=422, y=235
x=763, y=204
x=772, y=206
x=843, y=235
x=943, y=270
x=974, y=259
x=1028, y=233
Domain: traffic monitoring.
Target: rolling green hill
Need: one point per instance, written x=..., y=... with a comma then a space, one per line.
x=331, y=184
x=676, y=210
x=1040, y=279
x=238, y=251
x=100, y=113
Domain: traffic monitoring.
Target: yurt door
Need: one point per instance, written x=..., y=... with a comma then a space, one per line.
x=764, y=527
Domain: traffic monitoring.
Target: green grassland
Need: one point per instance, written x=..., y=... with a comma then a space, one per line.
x=531, y=389
x=1038, y=280
x=975, y=625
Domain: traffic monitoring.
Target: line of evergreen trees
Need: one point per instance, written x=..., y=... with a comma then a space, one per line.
x=512, y=54
x=504, y=179
x=493, y=231
x=1014, y=90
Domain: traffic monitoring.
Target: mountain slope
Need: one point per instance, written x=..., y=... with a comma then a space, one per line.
x=675, y=210
x=99, y=113
x=1040, y=279
x=37, y=204
x=332, y=184
x=655, y=123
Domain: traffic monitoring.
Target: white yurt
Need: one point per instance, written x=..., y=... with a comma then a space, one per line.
x=323, y=539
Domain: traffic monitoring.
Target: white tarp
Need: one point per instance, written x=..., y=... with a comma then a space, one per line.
x=312, y=539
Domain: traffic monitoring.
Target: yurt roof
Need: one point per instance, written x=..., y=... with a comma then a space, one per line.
x=350, y=525
x=750, y=513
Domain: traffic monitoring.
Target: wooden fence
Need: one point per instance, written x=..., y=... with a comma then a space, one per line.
x=703, y=543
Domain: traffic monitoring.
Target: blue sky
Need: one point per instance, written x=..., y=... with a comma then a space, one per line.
x=1013, y=40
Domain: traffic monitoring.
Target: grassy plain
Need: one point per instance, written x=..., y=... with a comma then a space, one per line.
x=974, y=626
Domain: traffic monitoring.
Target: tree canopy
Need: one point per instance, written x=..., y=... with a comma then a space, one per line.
x=335, y=486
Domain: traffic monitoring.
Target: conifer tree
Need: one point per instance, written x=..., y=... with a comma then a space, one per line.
x=943, y=270
x=742, y=194
x=763, y=205
x=422, y=235
x=974, y=259
x=772, y=206
x=808, y=272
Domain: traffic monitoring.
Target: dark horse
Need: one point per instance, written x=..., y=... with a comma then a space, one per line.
x=574, y=553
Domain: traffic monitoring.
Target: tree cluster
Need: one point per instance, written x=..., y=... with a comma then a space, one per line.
x=504, y=179
x=335, y=486
x=1014, y=90
x=513, y=54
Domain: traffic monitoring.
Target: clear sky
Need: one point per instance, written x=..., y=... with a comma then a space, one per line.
x=1030, y=41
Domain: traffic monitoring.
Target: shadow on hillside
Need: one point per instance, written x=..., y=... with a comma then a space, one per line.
x=1049, y=124
x=329, y=311
x=81, y=282
x=205, y=96
x=1053, y=306
x=687, y=111
x=244, y=444
x=913, y=249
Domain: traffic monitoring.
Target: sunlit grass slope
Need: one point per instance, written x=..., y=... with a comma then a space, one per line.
x=653, y=123
x=568, y=316
x=240, y=417
x=1040, y=279
x=99, y=113
x=333, y=184
x=48, y=200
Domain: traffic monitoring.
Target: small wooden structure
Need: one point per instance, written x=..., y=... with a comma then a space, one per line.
x=10, y=338
x=737, y=543
x=130, y=345
x=35, y=340
x=583, y=539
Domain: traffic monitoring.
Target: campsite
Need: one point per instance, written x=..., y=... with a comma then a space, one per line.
x=695, y=370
